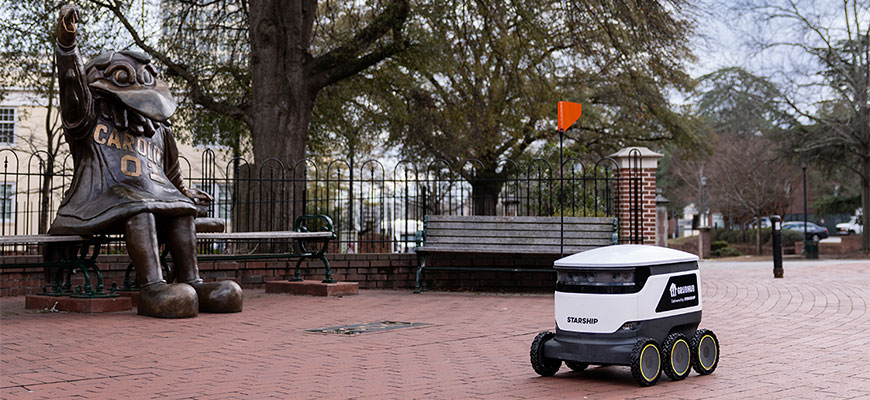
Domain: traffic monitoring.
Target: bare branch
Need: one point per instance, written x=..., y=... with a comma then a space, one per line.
x=345, y=60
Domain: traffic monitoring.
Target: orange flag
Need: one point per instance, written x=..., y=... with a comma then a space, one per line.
x=568, y=114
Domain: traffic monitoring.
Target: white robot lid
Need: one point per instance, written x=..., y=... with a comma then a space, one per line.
x=626, y=255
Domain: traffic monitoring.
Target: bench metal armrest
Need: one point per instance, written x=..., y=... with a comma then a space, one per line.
x=301, y=224
x=418, y=239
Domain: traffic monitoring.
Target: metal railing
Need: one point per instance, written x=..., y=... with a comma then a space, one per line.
x=376, y=207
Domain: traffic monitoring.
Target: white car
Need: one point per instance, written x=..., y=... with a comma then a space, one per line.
x=854, y=226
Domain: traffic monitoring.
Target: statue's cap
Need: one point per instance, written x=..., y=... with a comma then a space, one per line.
x=105, y=58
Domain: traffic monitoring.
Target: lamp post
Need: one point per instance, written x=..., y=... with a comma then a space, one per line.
x=703, y=210
x=804, y=170
x=811, y=248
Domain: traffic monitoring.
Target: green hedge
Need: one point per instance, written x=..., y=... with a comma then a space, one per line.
x=725, y=252
x=789, y=237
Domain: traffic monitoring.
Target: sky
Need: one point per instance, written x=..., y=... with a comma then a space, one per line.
x=716, y=44
x=731, y=36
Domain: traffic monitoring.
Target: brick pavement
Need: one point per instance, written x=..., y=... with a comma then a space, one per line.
x=805, y=336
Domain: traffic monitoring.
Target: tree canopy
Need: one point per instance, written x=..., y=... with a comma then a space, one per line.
x=485, y=78
x=256, y=67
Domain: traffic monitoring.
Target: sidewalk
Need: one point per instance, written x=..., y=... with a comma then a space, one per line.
x=806, y=336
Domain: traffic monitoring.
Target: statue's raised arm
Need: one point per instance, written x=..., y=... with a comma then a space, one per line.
x=75, y=99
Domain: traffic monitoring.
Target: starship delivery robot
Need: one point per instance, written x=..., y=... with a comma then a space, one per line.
x=631, y=305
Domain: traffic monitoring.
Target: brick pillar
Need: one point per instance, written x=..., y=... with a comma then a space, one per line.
x=643, y=162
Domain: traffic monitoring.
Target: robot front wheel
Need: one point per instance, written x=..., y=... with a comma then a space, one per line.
x=549, y=366
x=542, y=365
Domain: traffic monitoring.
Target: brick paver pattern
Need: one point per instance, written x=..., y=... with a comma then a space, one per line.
x=805, y=336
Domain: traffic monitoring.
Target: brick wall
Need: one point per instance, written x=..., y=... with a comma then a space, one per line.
x=372, y=271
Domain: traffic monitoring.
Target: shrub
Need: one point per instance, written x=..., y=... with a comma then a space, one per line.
x=790, y=237
x=725, y=252
x=718, y=244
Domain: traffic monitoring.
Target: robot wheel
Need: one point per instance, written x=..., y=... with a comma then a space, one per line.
x=542, y=365
x=705, y=351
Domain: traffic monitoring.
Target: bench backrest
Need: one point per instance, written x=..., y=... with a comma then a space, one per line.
x=524, y=235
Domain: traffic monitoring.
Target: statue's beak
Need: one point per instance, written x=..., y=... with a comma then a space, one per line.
x=155, y=102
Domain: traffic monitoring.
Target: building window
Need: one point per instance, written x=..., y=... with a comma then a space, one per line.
x=7, y=201
x=223, y=198
x=223, y=201
x=7, y=125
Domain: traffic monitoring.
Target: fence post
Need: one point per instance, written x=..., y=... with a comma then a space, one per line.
x=640, y=163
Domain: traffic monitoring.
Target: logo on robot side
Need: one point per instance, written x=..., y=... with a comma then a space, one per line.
x=678, y=290
x=681, y=291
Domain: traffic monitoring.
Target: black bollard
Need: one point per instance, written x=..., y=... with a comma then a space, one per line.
x=776, y=224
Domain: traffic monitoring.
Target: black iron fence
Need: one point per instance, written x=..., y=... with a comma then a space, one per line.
x=376, y=206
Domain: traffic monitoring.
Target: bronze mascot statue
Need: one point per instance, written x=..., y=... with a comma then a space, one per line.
x=127, y=177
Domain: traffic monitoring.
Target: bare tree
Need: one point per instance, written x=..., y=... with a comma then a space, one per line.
x=743, y=116
x=747, y=175
x=829, y=93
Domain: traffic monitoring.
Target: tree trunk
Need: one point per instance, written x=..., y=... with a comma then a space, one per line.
x=51, y=151
x=865, y=203
x=45, y=196
x=281, y=106
x=485, y=188
x=758, y=234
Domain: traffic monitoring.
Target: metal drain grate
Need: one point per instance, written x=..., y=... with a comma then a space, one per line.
x=355, y=329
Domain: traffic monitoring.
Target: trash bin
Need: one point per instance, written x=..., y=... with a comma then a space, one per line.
x=632, y=305
x=811, y=249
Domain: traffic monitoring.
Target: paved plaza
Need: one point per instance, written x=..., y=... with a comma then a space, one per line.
x=806, y=336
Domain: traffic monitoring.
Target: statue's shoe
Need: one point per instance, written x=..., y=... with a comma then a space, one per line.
x=164, y=300
x=218, y=297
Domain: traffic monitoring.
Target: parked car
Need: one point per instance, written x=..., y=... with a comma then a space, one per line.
x=854, y=226
x=814, y=232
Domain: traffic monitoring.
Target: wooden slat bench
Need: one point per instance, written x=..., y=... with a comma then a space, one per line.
x=303, y=240
x=444, y=234
x=308, y=245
